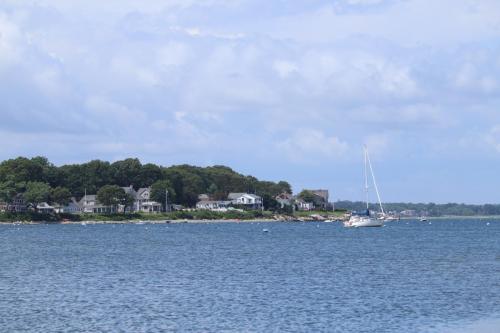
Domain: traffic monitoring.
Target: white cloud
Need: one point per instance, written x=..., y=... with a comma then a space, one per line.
x=312, y=146
x=284, y=68
x=173, y=54
x=10, y=39
x=493, y=138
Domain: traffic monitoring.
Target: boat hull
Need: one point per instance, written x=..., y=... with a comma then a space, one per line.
x=363, y=222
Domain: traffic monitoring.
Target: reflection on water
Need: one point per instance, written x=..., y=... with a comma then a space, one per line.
x=306, y=277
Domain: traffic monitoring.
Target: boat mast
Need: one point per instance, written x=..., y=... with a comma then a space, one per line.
x=366, y=180
x=374, y=181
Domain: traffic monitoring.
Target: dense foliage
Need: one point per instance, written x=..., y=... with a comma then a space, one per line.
x=43, y=181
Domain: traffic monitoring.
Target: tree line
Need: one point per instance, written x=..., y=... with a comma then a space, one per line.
x=431, y=209
x=41, y=181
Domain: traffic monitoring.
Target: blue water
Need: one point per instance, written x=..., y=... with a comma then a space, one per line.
x=229, y=277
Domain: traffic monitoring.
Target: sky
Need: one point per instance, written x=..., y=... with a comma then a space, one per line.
x=282, y=90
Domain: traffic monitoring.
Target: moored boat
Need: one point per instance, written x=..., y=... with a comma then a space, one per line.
x=357, y=221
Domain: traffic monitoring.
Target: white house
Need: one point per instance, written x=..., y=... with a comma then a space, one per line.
x=89, y=204
x=303, y=205
x=284, y=199
x=248, y=200
x=143, y=202
x=44, y=207
x=71, y=208
x=213, y=205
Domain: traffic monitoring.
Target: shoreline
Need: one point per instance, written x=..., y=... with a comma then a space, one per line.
x=207, y=221
x=140, y=222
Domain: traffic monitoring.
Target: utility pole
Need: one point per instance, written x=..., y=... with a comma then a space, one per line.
x=166, y=201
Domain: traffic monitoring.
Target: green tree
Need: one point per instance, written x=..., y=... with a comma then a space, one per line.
x=126, y=172
x=307, y=196
x=37, y=192
x=21, y=169
x=113, y=195
x=158, y=193
x=60, y=195
x=8, y=191
x=270, y=203
x=149, y=174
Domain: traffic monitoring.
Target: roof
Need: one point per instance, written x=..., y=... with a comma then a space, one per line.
x=44, y=205
x=284, y=196
x=90, y=197
x=232, y=196
x=203, y=197
x=141, y=191
x=207, y=202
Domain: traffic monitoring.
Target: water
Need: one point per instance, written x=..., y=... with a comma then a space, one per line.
x=228, y=277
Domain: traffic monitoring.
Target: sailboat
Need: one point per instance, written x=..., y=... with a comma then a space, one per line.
x=357, y=221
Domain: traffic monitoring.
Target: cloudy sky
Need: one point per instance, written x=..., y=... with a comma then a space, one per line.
x=277, y=89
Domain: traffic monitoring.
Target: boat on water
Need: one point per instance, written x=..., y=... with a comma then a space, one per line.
x=388, y=218
x=423, y=219
x=366, y=220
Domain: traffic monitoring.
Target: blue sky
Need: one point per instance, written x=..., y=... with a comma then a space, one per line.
x=277, y=89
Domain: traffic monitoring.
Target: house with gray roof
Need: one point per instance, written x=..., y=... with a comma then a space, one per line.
x=90, y=204
x=251, y=201
x=144, y=203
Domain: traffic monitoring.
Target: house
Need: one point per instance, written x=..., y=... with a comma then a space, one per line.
x=320, y=198
x=250, y=201
x=213, y=205
x=89, y=204
x=284, y=199
x=17, y=205
x=71, y=208
x=303, y=205
x=44, y=208
x=203, y=197
x=143, y=202
x=408, y=213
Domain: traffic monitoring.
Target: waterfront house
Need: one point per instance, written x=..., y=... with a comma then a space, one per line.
x=213, y=205
x=44, y=208
x=408, y=213
x=284, y=199
x=320, y=198
x=143, y=202
x=18, y=205
x=303, y=205
x=71, y=208
x=90, y=204
x=250, y=201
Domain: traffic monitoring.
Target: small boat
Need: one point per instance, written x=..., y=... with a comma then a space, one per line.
x=389, y=218
x=423, y=219
x=265, y=230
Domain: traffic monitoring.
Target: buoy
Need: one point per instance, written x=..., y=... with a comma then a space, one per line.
x=488, y=223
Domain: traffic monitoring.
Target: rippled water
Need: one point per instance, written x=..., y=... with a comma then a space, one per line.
x=228, y=277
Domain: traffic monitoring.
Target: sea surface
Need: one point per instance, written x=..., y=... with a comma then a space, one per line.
x=409, y=276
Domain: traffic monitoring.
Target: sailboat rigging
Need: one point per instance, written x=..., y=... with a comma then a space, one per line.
x=367, y=220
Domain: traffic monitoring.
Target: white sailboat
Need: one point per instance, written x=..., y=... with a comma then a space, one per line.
x=357, y=221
